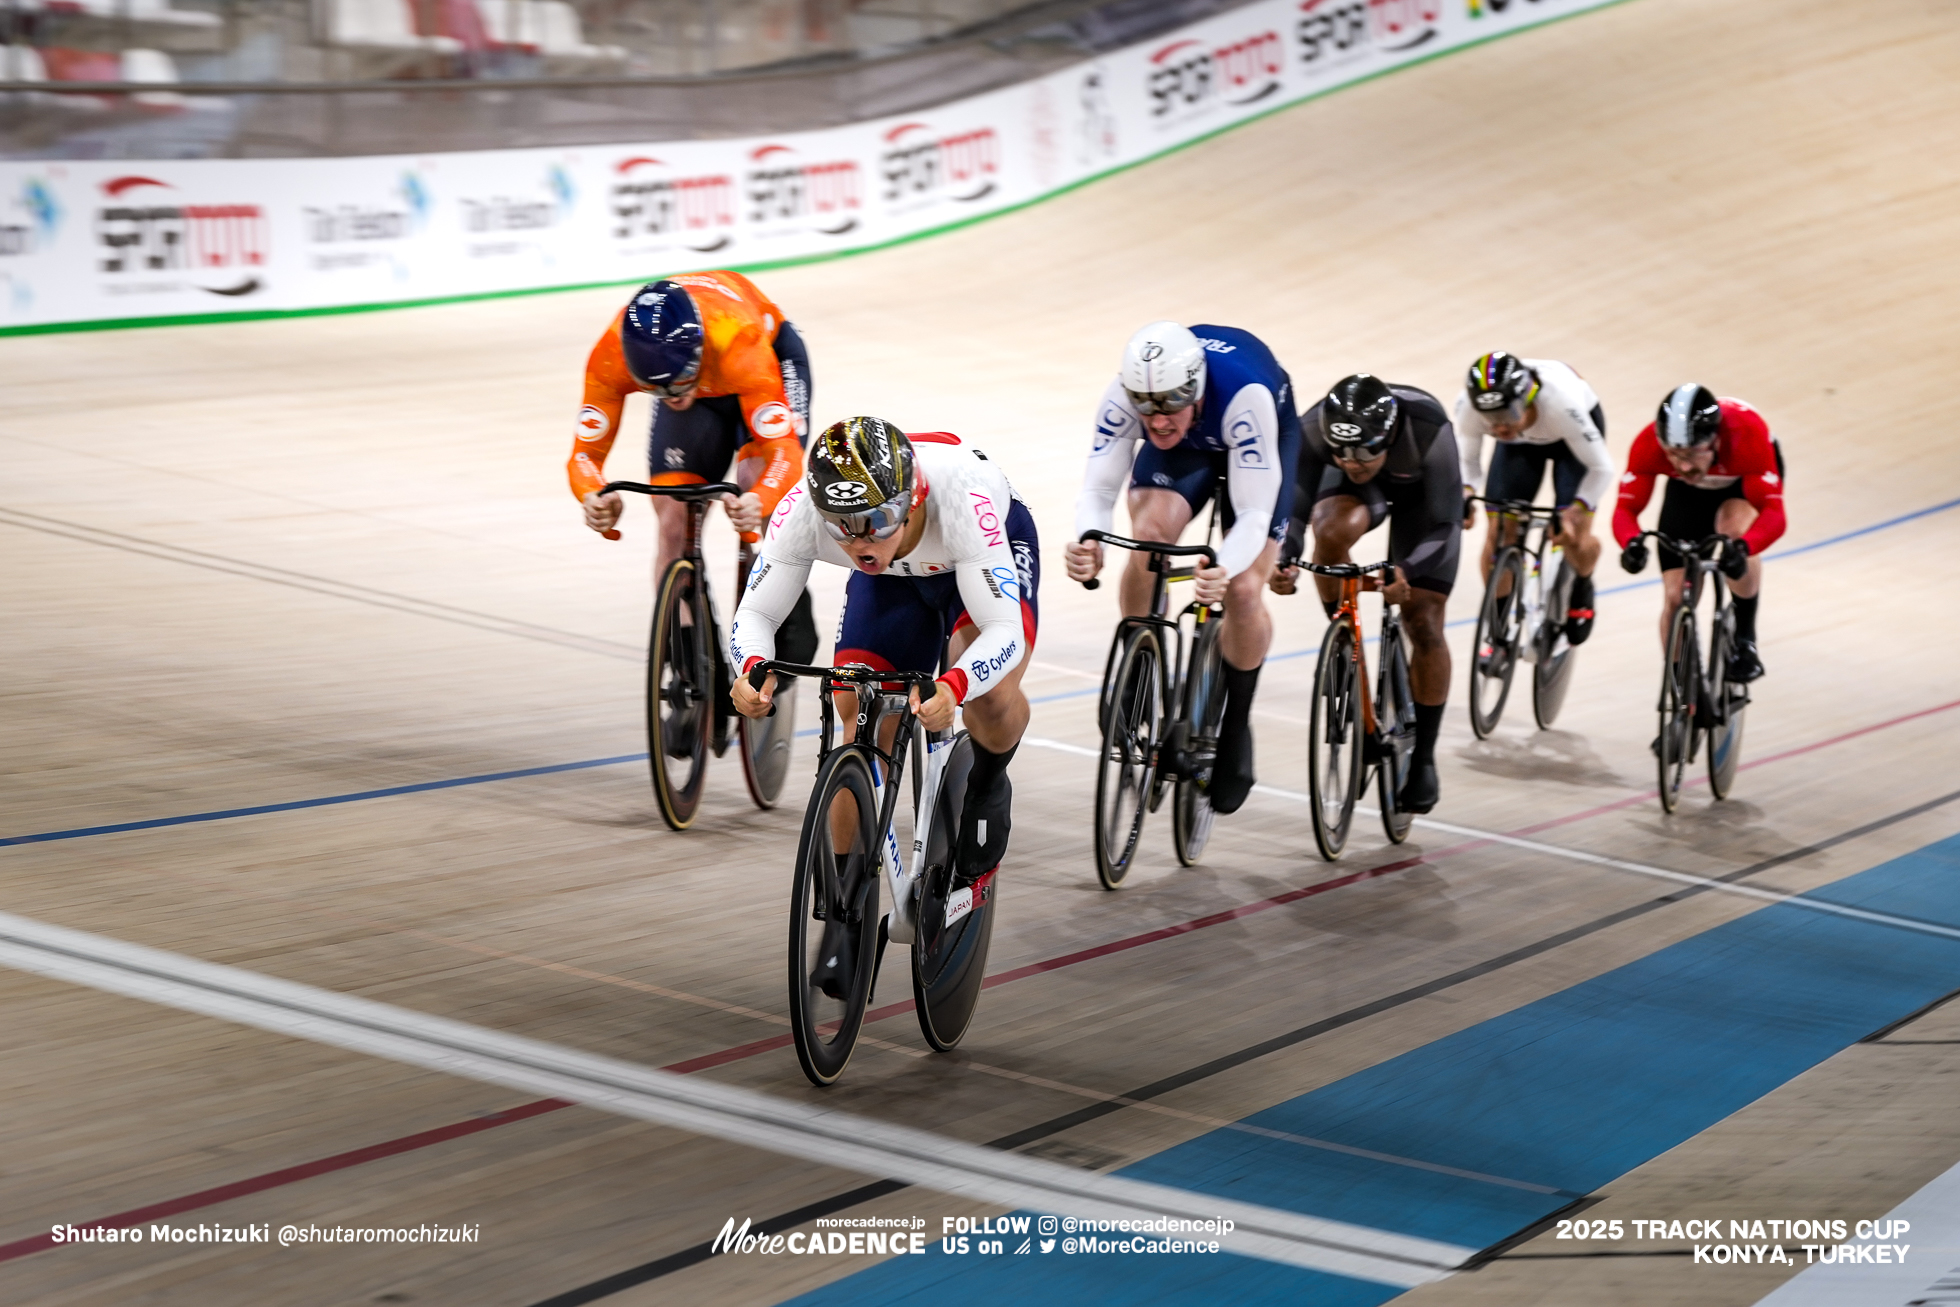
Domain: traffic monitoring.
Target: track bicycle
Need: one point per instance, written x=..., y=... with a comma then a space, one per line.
x=1163, y=701
x=1352, y=736
x=688, y=677
x=1698, y=701
x=1522, y=618
x=849, y=848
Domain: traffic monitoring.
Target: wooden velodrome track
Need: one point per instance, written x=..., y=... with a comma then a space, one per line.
x=267, y=563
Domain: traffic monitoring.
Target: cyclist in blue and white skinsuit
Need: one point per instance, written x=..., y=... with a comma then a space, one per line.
x=1191, y=406
x=944, y=559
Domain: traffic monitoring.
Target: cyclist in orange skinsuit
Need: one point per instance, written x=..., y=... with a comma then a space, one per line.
x=733, y=366
x=731, y=384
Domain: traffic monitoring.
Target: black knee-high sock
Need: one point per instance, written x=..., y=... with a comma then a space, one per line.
x=1745, y=617
x=1239, y=689
x=988, y=767
x=1429, y=724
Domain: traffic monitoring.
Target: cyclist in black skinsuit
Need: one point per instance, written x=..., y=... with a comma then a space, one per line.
x=1373, y=452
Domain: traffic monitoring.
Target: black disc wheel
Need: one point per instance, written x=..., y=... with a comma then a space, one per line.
x=1395, y=719
x=766, y=745
x=1551, y=670
x=955, y=919
x=680, y=694
x=1725, y=735
x=834, y=935
x=1132, y=716
x=1494, y=652
x=1204, y=710
x=1334, y=741
x=1675, y=743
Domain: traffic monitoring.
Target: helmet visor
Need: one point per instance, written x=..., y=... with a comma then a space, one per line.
x=880, y=523
x=1152, y=402
x=1496, y=406
x=675, y=388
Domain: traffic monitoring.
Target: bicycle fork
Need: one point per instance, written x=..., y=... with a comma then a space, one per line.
x=904, y=881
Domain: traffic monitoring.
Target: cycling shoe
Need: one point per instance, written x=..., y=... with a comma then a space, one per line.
x=1421, y=790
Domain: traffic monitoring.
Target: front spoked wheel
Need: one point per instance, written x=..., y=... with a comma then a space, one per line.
x=834, y=938
x=1395, y=718
x=1132, y=712
x=1494, y=652
x=1677, y=707
x=1204, y=712
x=1334, y=741
x=680, y=693
x=1551, y=671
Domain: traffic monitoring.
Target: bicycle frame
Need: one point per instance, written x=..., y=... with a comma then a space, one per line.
x=1350, y=613
x=1537, y=524
x=1159, y=616
x=874, y=704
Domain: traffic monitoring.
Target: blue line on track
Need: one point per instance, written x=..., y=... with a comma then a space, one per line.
x=1571, y=1091
x=226, y=814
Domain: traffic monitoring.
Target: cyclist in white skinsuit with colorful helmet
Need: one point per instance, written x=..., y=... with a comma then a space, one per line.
x=944, y=560
x=1538, y=411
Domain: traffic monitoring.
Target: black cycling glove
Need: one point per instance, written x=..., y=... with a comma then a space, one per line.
x=1634, y=557
x=1735, y=560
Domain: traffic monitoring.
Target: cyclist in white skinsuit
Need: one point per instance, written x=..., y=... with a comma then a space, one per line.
x=944, y=558
x=1538, y=411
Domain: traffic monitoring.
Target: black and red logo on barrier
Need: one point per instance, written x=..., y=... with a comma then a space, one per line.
x=783, y=188
x=1188, y=74
x=919, y=162
x=649, y=201
x=222, y=247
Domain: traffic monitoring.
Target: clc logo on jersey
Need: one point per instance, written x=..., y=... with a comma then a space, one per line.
x=845, y=492
x=1245, y=439
x=593, y=424
x=772, y=420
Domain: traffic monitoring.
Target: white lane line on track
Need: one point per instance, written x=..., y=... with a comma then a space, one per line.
x=807, y=1132
x=1601, y=860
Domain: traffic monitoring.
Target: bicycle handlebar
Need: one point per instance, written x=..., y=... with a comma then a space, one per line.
x=850, y=673
x=1347, y=569
x=1205, y=552
x=1706, y=549
x=1517, y=507
x=689, y=493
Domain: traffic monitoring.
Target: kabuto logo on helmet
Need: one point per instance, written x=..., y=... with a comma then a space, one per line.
x=846, y=492
x=1345, y=431
x=1490, y=399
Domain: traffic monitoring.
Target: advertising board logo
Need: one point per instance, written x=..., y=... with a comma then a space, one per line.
x=1331, y=33
x=919, y=163
x=30, y=221
x=1399, y=25
x=783, y=189
x=1189, y=75
x=503, y=213
x=217, y=247
x=696, y=212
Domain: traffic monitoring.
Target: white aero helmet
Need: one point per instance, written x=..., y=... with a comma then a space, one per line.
x=1163, y=369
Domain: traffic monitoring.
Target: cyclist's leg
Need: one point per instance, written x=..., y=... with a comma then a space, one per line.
x=1168, y=487
x=996, y=720
x=1246, y=636
x=1734, y=519
x=1425, y=538
x=1516, y=472
x=1343, y=512
x=1575, y=536
x=1687, y=513
x=687, y=447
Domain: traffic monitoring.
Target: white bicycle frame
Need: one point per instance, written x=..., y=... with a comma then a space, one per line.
x=1534, y=593
x=902, y=881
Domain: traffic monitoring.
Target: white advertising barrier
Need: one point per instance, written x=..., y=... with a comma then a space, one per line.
x=97, y=243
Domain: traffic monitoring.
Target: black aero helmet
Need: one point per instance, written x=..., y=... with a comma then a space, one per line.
x=1498, y=381
x=863, y=479
x=1689, y=416
x=1359, y=415
x=660, y=337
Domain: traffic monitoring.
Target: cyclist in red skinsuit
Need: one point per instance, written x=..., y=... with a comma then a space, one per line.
x=1725, y=477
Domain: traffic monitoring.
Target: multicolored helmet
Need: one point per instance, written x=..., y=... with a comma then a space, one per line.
x=863, y=479
x=1500, y=386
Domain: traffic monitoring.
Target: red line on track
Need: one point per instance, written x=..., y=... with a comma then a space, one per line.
x=525, y=1111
